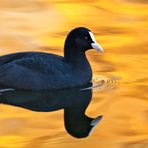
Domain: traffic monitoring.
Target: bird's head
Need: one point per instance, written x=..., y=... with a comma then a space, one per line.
x=82, y=39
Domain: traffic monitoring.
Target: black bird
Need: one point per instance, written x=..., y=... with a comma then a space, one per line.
x=41, y=71
x=74, y=101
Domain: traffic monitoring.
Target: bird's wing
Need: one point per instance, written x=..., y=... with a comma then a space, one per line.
x=32, y=72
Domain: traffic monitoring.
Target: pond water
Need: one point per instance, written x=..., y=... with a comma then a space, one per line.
x=120, y=74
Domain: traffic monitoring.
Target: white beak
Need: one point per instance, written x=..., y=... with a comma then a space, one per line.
x=95, y=45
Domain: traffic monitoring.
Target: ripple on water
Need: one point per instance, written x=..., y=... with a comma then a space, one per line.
x=101, y=83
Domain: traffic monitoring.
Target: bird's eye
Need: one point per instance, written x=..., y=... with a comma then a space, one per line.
x=86, y=38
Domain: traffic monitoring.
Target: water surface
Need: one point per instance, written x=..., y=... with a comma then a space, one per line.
x=120, y=26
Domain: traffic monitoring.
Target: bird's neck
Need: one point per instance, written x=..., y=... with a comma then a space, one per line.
x=73, y=54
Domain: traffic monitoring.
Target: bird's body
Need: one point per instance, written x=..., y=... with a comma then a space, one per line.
x=38, y=71
x=42, y=71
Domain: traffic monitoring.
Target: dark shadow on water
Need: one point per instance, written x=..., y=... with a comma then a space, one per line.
x=74, y=102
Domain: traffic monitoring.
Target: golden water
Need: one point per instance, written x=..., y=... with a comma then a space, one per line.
x=121, y=27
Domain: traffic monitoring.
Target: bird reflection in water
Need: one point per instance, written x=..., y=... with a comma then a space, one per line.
x=74, y=101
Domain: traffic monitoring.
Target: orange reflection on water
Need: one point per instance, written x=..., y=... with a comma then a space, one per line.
x=121, y=27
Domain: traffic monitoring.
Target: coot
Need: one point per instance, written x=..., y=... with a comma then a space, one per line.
x=41, y=71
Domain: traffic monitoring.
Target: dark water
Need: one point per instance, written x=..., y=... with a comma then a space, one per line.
x=120, y=74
